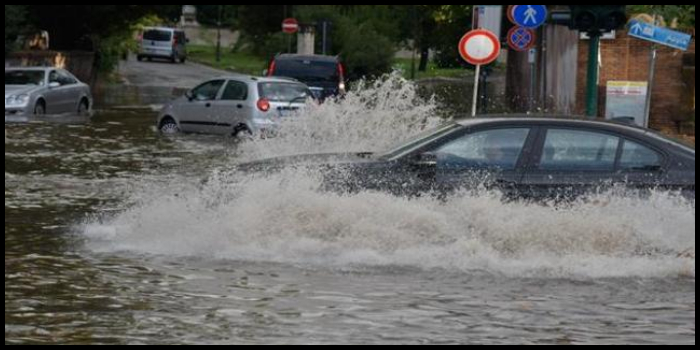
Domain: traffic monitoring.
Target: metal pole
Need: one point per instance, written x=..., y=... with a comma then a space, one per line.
x=289, y=36
x=415, y=41
x=218, y=35
x=650, y=85
x=593, y=76
x=652, y=76
x=532, y=58
x=475, y=100
x=325, y=36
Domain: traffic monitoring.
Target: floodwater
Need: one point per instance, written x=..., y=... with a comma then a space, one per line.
x=116, y=235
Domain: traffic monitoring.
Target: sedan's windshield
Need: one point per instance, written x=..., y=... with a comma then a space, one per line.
x=24, y=77
x=420, y=139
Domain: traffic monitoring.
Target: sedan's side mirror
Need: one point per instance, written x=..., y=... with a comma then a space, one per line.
x=189, y=95
x=265, y=72
x=54, y=84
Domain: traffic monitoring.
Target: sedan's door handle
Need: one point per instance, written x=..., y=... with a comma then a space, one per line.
x=240, y=106
x=207, y=105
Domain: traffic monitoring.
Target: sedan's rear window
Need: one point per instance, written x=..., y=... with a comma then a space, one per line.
x=24, y=77
x=308, y=70
x=157, y=35
x=284, y=92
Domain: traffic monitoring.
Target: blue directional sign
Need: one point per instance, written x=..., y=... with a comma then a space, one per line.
x=529, y=16
x=659, y=35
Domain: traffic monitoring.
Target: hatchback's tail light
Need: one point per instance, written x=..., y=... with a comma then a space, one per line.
x=263, y=105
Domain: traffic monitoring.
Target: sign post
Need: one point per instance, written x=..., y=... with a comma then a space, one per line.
x=661, y=36
x=479, y=47
x=527, y=18
x=290, y=26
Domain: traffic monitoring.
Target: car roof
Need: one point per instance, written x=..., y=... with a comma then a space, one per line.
x=562, y=120
x=316, y=58
x=165, y=29
x=254, y=79
x=37, y=69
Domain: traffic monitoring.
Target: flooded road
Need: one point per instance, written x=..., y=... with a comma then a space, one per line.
x=116, y=235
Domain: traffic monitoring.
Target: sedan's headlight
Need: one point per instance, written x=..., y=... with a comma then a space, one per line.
x=17, y=100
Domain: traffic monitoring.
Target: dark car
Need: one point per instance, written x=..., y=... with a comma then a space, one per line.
x=324, y=75
x=537, y=158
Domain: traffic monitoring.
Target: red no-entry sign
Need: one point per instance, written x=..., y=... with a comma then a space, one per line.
x=479, y=47
x=290, y=25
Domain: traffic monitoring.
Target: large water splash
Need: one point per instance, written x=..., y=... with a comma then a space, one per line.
x=283, y=217
x=371, y=117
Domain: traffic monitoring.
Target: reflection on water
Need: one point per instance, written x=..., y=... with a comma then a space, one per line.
x=116, y=235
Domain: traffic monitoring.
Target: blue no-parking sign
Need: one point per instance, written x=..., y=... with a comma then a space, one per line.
x=521, y=38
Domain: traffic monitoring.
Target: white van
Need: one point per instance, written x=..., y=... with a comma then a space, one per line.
x=163, y=43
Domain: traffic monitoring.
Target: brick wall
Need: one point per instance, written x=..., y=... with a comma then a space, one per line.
x=627, y=58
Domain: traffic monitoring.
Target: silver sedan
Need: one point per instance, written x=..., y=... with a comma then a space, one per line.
x=44, y=90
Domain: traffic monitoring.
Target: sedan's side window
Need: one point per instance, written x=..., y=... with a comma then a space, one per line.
x=54, y=77
x=576, y=150
x=638, y=157
x=207, y=91
x=497, y=149
x=65, y=79
x=235, y=91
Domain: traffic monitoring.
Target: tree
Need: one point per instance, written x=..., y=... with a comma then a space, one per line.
x=82, y=27
x=365, y=36
x=208, y=15
x=680, y=16
x=14, y=25
x=104, y=29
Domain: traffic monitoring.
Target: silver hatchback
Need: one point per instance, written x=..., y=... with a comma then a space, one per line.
x=234, y=105
x=38, y=91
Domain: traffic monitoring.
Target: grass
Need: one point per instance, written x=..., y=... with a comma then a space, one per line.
x=246, y=63
x=238, y=62
x=404, y=65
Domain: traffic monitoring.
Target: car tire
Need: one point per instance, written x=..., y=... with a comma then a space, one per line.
x=168, y=126
x=40, y=108
x=242, y=133
x=84, y=108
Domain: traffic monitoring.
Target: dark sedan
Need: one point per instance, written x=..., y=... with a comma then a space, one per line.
x=522, y=156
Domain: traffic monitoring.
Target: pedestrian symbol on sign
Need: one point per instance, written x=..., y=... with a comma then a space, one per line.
x=530, y=15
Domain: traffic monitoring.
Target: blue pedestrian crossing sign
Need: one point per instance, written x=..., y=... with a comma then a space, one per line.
x=530, y=16
x=659, y=35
